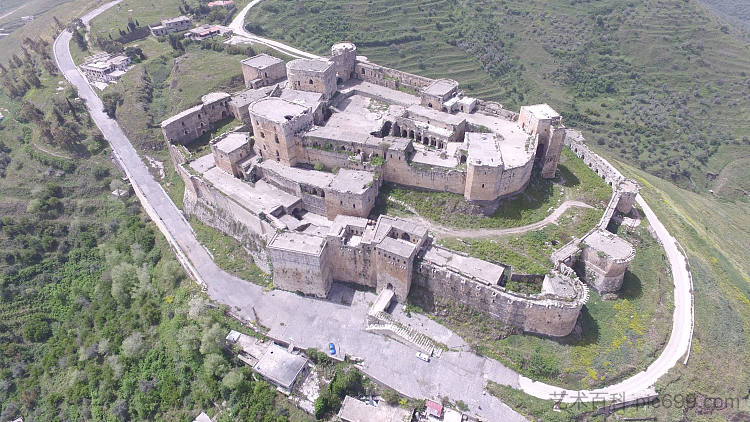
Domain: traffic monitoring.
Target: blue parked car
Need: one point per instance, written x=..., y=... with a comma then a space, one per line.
x=332, y=349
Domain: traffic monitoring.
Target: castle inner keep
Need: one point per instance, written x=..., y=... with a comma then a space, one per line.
x=297, y=182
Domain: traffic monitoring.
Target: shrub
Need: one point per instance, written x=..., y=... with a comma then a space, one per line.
x=377, y=160
x=36, y=329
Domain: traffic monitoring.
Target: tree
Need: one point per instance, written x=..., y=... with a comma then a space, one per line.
x=79, y=39
x=212, y=340
x=36, y=329
x=111, y=100
x=132, y=346
x=123, y=275
x=29, y=75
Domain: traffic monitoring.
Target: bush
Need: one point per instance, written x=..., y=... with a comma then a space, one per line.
x=391, y=396
x=319, y=167
x=111, y=100
x=36, y=329
x=377, y=160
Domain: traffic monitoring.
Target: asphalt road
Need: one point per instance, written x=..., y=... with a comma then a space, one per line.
x=459, y=375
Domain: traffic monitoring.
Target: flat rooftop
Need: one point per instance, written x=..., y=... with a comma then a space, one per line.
x=214, y=96
x=477, y=269
x=610, y=244
x=303, y=98
x=397, y=247
x=341, y=222
x=441, y=87
x=232, y=141
x=261, y=61
x=280, y=366
x=435, y=115
x=385, y=223
x=181, y=114
x=542, y=111
x=276, y=110
x=315, y=178
x=513, y=143
x=393, y=96
x=177, y=19
x=558, y=285
x=298, y=242
x=484, y=149
x=353, y=410
x=352, y=181
x=309, y=65
x=263, y=197
x=249, y=95
x=431, y=157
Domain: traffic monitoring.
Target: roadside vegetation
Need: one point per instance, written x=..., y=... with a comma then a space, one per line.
x=575, y=181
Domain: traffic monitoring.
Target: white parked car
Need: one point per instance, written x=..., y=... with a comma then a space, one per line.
x=423, y=356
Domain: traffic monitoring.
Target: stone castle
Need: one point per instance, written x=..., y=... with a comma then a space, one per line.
x=297, y=183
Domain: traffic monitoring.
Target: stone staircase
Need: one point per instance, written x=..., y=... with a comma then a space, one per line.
x=383, y=323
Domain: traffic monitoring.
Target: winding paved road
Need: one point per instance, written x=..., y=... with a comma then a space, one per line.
x=238, y=27
x=458, y=373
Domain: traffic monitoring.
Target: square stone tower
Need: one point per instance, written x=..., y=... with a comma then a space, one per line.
x=312, y=75
x=543, y=121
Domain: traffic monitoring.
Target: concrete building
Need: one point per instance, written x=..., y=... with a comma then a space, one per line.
x=105, y=67
x=262, y=70
x=206, y=31
x=546, y=124
x=437, y=93
x=277, y=365
x=343, y=55
x=353, y=410
x=180, y=23
x=277, y=124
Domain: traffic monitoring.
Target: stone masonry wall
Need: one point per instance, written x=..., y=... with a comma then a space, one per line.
x=299, y=272
x=389, y=78
x=216, y=210
x=438, y=179
x=540, y=316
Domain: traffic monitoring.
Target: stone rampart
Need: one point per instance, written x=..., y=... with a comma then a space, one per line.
x=214, y=209
x=575, y=141
x=537, y=314
x=389, y=78
x=425, y=177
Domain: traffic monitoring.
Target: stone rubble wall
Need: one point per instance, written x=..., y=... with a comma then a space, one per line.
x=496, y=109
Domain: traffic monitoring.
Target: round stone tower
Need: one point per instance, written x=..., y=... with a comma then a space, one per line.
x=604, y=259
x=343, y=55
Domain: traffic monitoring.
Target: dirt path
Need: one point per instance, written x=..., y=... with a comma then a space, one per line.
x=441, y=231
x=54, y=154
